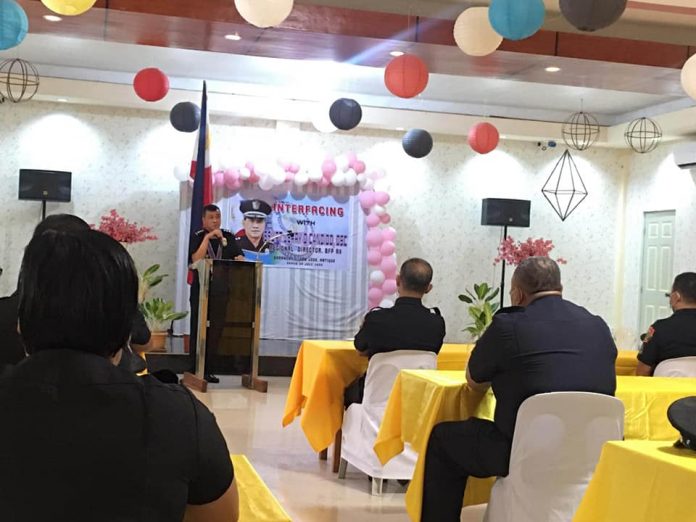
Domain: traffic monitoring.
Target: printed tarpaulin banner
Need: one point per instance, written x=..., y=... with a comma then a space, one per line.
x=300, y=232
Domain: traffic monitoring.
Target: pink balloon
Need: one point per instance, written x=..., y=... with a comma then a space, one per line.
x=385, y=219
x=375, y=295
x=254, y=178
x=328, y=168
x=236, y=185
x=389, y=234
x=231, y=177
x=389, y=287
x=372, y=220
x=294, y=168
x=388, y=266
x=374, y=257
x=373, y=237
x=289, y=176
x=381, y=198
x=387, y=248
x=249, y=165
x=324, y=182
x=373, y=304
x=359, y=167
x=218, y=179
x=367, y=199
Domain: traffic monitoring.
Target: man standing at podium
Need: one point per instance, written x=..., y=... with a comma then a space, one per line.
x=255, y=213
x=210, y=242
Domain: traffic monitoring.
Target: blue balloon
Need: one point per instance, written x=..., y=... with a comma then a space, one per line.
x=516, y=19
x=14, y=24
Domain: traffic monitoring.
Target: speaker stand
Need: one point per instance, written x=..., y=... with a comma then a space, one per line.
x=43, y=209
x=502, y=277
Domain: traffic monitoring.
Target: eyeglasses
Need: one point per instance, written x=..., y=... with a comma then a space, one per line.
x=668, y=294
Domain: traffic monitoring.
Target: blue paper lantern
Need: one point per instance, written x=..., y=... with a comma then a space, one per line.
x=14, y=24
x=516, y=19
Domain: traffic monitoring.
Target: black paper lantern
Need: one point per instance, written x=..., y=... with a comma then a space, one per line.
x=590, y=15
x=185, y=117
x=417, y=143
x=345, y=114
x=643, y=135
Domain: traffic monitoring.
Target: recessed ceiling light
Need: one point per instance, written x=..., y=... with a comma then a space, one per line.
x=399, y=128
x=62, y=100
x=552, y=69
x=234, y=37
x=52, y=18
x=396, y=53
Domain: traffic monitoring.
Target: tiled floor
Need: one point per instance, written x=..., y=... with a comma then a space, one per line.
x=304, y=485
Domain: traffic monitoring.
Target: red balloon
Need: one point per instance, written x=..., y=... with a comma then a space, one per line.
x=406, y=76
x=483, y=137
x=151, y=84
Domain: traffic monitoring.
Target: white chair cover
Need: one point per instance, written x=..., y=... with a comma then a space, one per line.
x=557, y=442
x=361, y=421
x=679, y=367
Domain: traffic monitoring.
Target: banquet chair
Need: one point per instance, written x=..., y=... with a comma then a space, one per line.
x=556, y=445
x=679, y=367
x=361, y=421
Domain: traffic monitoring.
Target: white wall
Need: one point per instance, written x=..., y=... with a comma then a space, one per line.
x=123, y=159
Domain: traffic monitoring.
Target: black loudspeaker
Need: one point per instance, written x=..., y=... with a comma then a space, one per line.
x=505, y=212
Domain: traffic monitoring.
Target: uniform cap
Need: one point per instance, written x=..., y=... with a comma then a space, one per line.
x=255, y=208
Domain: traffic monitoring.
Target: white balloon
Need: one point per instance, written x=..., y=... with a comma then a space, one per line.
x=386, y=303
x=369, y=184
x=474, y=34
x=379, y=210
x=338, y=179
x=342, y=163
x=688, y=77
x=301, y=179
x=377, y=277
x=360, y=178
x=180, y=173
x=315, y=175
x=244, y=173
x=350, y=178
x=264, y=13
x=266, y=183
x=277, y=175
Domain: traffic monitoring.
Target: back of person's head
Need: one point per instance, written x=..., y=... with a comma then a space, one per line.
x=77, y=291
x=685, y=284
x=416, y=275
x=67, y=223
x=538, y=274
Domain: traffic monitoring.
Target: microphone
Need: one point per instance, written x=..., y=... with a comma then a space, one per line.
x=224, y=241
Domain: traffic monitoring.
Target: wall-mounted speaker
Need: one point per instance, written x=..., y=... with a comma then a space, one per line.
x=505, y=212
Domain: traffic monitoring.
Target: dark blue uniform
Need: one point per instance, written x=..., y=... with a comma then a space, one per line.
x=670, y=338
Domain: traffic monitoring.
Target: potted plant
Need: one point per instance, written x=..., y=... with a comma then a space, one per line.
x=481, y=308
x=159, y=315
x=147, y=280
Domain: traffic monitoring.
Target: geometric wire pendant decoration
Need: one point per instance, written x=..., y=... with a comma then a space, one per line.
x=564, y=189
x=580, y=130
x=19, y=80
x=643, y=135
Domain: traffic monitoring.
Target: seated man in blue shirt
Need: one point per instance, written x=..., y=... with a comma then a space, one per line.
x=542, y=344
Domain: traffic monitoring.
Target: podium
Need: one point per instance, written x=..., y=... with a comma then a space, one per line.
x=229, y=318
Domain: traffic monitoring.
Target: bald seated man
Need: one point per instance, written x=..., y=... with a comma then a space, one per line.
x=542, y=344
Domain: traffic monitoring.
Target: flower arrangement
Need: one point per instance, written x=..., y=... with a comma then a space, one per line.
x=513, y=253
x=119, y=228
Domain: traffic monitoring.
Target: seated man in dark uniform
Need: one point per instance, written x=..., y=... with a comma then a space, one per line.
x=408, y=325
x=543, y=344
x=255, y=214
x=675, y=336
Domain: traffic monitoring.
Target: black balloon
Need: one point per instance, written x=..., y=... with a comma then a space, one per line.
x=185, y=117
x=590, y=15
x=417, y=143
x=345, y=113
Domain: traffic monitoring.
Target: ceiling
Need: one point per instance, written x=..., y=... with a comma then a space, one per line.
x=327, y=49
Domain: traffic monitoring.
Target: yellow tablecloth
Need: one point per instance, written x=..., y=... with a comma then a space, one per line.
x=626, y=362
x=422, y=398
x=256, y=502
x=324, y=369
x=641, y=481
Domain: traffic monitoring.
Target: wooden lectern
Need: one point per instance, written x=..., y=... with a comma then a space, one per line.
x=229, y=317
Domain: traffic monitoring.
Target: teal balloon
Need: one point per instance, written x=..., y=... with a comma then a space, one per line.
x=14, y=24
x=516, y=19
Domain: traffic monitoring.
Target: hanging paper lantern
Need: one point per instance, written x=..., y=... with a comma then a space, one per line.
x=474, y=34
x=688, y=77
x=320, y=118
x=264, y=13
x=417, y=143
x=406, y=76
x=14, y=24
x=483, y=138
x=345, y=114
x=185, y=117
x=69, y=7
x=590, y=15
x=516, y=19
x=151, y=84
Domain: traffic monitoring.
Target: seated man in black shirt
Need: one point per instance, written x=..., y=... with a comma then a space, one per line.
x=675, y=336
x=544, y=344
x=408, y=325
x=83, y=439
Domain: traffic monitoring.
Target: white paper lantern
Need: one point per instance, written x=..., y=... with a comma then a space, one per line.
x=180, y=173
x=688, y=77
x=474, y=34
x=264, y=13
x=321, y=120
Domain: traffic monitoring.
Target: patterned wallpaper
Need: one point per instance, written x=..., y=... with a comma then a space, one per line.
x=123, y=159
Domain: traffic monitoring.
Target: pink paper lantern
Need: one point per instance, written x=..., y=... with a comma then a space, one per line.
x=388, y=266
x=373, y=237
x=389, y=234
x=372, y=220
x=387, y=248
x=389, y=287
x=375, y=295
x=374, y=257
x=381, y=198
